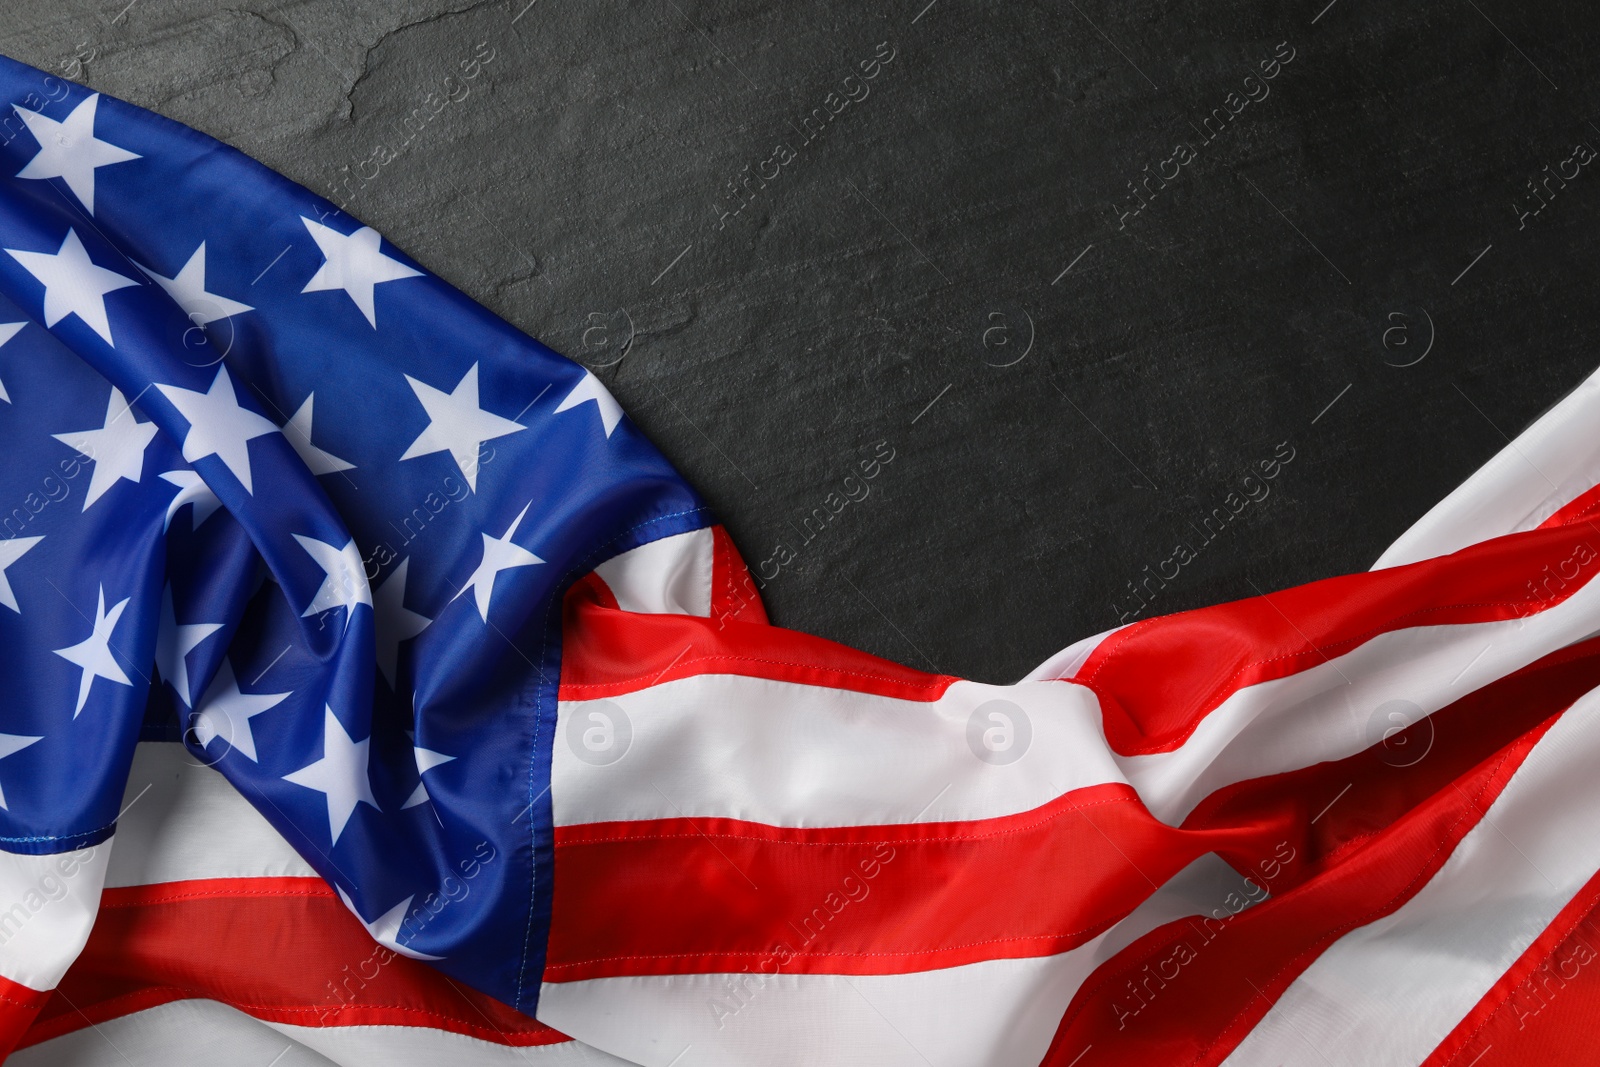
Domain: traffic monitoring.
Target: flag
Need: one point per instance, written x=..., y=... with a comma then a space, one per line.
x=376, y=692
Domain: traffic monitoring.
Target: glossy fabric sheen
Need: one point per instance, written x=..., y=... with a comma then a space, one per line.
x=481, y=691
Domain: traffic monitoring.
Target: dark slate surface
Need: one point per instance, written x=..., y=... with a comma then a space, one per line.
x=902, y=273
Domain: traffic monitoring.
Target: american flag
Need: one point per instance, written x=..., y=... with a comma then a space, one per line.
x=377, y=694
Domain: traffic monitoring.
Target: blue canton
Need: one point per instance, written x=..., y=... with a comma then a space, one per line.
x=273, y=490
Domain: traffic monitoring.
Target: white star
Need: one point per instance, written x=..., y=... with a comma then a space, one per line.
x=225, y=711
x=192, y=489
x=499, y=554
x=8, y=330
x=11, y=743
x=457, y=425
x=591, y=388
x=174, y=642
x=93, y=653
x=427, y=760
x=116, y=449
x=394, y=622
x=345, y=581
x=385, y=929
x=298, y=433
x=188, y=290
x=69, y=150
x=11, y=550
x=356, y=264
x=341, y=774
x=218, y=425
x=73, y=284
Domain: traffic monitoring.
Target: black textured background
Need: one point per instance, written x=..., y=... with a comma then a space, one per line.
x=912, y=254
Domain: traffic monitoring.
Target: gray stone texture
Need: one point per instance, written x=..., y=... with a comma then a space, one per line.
x=909, y=251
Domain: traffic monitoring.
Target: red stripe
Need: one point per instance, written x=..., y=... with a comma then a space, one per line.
x=1330, y=809
x=1159, y=678
x=1190, y=991
x=606, y=653
x=1543, y=1009
x=677, y=896
x=1580, y=508
x=734, y=597
x=682, y=896
x=19, y=1005
x=1375, y=787
x=1330, y=813
x=595, y=588
x=284, y=950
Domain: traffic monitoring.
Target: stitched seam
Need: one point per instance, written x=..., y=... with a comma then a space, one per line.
x=552, y=622
x=909, y=840
x=64, y=837
x=34, y=1004
x=307, y=893
x=1511, y=990
x=830, y=955
x=191, y=992
x=769, y=662
x=1576, y=517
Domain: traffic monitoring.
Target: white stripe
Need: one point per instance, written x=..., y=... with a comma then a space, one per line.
x=47, y=905
x=1070, y=660
x=1388, y=992
x=789, y=754
x=184, y=820
x=1327, y=712
x=1550, y=463
x=203, y=1033
x=1000, y=1012
x=421, y=1046
x=669, y=576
